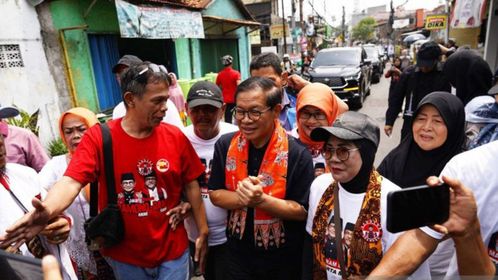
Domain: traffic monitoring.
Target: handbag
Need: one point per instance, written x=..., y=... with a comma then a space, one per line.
x=105, y=229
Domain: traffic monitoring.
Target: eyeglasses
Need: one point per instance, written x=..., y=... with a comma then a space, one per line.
x=319, y=116
x=154, y=68
x=341, y=152
x=253, y=114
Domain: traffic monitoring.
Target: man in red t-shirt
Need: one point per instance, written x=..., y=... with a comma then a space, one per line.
x=228, y=79
x=142, y=146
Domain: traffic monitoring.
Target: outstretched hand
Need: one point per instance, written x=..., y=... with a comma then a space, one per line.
x=26, y=227
x=463, y=209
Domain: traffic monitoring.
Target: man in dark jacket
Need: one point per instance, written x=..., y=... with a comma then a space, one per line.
x=416, y=82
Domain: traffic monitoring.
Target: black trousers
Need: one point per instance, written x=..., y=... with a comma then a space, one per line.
x=243, y=267
x=216, y=262
x=229, y=113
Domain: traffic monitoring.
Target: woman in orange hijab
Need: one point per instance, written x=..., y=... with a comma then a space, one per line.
x=72, y=126
x=316, y=106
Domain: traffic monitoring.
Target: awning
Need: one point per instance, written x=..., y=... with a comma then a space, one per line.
x=227, y=24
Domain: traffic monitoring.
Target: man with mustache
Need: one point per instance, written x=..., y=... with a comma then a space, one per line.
x=205, y=107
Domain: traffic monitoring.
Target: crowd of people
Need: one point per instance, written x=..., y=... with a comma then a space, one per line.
x=273, y=179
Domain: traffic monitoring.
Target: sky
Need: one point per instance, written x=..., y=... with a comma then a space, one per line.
x=332, y=9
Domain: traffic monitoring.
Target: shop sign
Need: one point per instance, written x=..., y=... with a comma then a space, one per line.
x=277, y=31
x=159, y=22
x=435, y=22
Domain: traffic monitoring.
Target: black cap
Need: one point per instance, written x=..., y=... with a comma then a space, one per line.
x=8, y=112
x=428, y=54
x=349, y=126
x=204, y=93
x=126, y=60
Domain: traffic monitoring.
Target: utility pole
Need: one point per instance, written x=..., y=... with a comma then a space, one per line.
x=293, y=27
x=343, y=26
x=283, y=25
x=391, y=23
x=447, y=12
x=301, y=19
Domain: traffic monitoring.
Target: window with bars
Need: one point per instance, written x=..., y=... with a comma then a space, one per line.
x=10, y=56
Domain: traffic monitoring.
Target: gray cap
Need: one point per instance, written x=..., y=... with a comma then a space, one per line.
x=349, y=126
x=204, y=93
x=126, y=60
x=8, y=112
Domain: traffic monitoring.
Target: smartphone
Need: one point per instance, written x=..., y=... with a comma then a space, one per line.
x=417, y=207
x=17, y=267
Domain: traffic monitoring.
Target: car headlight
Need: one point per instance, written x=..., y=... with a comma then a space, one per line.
x=353, y=77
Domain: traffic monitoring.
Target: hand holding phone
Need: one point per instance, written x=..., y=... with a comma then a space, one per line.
x=417, y=207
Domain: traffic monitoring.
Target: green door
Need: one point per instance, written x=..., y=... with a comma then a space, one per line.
x=213, y=49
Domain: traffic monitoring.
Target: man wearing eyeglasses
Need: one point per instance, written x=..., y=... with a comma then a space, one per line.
x=141, y=145
x=262, y=176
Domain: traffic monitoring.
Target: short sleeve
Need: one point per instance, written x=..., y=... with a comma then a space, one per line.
x=300, y=175
x=318, y=187
x=217, y=177
x=192, y=167
x=83, y=166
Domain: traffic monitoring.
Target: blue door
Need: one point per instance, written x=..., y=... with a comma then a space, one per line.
x=105, y=54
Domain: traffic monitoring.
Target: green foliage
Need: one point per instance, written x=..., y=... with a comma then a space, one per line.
x=364, y=30
x=25, y=120
x=56, y=147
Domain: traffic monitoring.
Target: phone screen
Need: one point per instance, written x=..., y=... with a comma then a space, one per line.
x=14, y=267
x=417, y=207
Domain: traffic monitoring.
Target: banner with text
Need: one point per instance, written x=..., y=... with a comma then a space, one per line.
x=158, y=22
x=468, y=13
x=435, y=22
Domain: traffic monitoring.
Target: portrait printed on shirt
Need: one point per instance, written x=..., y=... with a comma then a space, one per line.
x=493, y=247
x=129, y=196
x=141, y=191
x=155, y=193
x=331, y=247
x=204, y=178
x=319, y=168
x=331, y=257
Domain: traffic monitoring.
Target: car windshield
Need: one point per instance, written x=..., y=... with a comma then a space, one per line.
x=371, y=52
x=337, y=57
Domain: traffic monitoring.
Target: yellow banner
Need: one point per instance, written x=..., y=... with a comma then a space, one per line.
x=435, y=22
x=277, y=31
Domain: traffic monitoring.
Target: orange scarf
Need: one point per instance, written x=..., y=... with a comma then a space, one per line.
x=268, y=230
x=322, y=97
x=366, y=247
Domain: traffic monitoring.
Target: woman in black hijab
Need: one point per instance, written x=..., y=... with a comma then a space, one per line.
x=469, y=74
x=437, y=135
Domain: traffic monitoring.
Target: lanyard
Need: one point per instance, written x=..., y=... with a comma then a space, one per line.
x=338, y=233
x=5, y=184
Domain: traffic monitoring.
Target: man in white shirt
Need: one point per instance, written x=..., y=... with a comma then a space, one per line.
x=205, y=108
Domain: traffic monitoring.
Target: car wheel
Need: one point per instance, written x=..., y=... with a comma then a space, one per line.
x=375, y=78
x=358, y=103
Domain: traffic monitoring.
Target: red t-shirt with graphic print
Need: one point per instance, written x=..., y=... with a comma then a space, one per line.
x=167, y=161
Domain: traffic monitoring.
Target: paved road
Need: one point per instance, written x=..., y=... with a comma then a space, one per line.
x=375, y=106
